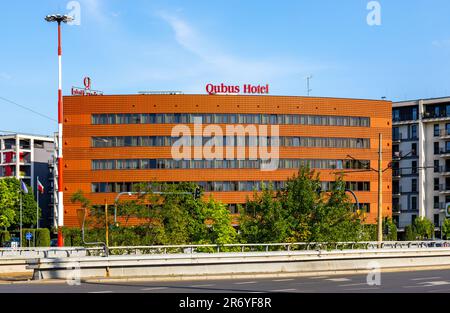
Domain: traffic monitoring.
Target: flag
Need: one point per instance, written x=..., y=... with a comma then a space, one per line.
x=40, y=187
x=24, y=187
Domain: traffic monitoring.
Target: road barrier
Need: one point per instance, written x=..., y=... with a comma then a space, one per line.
x=272, y=263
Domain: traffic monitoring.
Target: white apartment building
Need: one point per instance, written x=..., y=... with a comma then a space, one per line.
x=421, y=160
x=27, y=157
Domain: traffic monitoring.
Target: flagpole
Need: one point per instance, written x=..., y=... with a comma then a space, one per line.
x=21, y=235
x=37, y=206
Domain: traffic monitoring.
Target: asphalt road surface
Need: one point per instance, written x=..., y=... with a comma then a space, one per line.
x=404, y=282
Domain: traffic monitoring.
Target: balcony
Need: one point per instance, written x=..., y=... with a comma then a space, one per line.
x=444, y=189
x=444, y=134
x=433, y=117
x=397, y=208
x=397, y=192
x=444, y=153
x=444, y=170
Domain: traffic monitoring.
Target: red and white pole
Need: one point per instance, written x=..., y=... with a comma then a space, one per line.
x=60, y=145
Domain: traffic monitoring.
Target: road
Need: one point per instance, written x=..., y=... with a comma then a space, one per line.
x=404, y=282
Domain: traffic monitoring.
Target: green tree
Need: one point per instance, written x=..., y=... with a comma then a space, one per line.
x=336, y=219
x=423, y=228
x=390, y=232
x=410, y=235
x=10, y=191
x=300, y=199
x=264, y=219
x=218, y=220
x=446, y=229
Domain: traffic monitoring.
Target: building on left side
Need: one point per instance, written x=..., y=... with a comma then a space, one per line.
x=28, y=157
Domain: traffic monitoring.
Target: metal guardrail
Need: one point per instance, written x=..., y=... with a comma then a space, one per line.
x=239, y=248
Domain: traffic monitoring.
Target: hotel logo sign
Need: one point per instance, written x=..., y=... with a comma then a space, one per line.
x=86, y=91
x=247, y=89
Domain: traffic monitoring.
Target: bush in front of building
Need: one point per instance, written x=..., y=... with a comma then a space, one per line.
x=423, y=228
x=42, y=237
x=446, y=229
x=409, y=233
x=4, y=236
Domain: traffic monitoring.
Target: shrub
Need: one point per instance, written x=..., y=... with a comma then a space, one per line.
x=42, y=237
x=423, y=228
x=409, y=233
x=4, y=236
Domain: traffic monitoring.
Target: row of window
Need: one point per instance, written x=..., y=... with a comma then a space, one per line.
x=224, y=186
x=159, y=141
x=144, y=164
x=270, y=119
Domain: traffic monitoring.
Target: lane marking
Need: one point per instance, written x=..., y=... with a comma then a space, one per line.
x=360, y=289
x=199, y=286
x=282, y=280
x=426, y=278
x=106, y=291
x=246, y=283
x=354, y=285
x=434, y=283
x=338, y=279
x=319, y=277
x=154, y=288
x=283, y=290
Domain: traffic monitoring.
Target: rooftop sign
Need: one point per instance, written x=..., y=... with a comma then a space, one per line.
x=86, y=91
x=248, y=89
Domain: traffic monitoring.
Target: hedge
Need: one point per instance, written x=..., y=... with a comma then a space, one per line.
x=41, y=238
x=4, y=236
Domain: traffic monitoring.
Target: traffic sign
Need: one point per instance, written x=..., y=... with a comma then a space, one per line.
x=28, y=236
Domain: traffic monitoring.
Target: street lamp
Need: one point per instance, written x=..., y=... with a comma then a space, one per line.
x=60, y=19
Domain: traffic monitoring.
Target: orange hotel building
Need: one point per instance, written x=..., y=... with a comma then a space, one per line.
x=111, y=142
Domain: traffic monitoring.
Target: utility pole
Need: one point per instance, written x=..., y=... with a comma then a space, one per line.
x=380, y=190
x=308, y=89
x=106, y=223
x=60, y=19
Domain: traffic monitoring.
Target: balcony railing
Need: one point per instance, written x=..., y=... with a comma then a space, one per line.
x=432, y=115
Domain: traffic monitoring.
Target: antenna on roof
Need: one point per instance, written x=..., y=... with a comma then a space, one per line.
x=308, y=89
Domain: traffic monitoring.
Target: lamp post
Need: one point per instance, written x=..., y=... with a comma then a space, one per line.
x=60, y=19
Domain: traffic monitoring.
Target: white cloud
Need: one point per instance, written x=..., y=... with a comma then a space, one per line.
x=227, y=66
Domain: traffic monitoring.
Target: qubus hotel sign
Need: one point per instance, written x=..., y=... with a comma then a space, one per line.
x=248, y=89
x=86, y=91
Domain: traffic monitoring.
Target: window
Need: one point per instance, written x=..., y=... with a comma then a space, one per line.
x=414, y=203
x=414, y=167
x=436, y=220
x=414, y=113
x=436, y=166
x=414, y=185
x=436, y=148
x=414, y=149
x=396, y=133
x=396, y=115
x=436, y=130
x=413, y=131
x=436, y=184
x=436, y=202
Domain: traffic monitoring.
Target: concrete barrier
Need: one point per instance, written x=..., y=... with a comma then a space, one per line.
x=235, y=264
x=33, y=253
x=14, y=266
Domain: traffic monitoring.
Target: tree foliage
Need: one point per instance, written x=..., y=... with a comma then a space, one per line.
x=10, y=191
x=302, y=212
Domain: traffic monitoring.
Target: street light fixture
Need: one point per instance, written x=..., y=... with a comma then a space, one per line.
x=58, y=18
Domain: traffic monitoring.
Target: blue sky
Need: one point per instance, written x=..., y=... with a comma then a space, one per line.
x=135, y=45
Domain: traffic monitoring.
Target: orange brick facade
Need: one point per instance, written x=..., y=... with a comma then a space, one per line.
x=78, y=131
